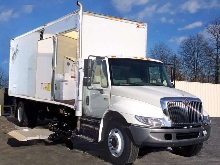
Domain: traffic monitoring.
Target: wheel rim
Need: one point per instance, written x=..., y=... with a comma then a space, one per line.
x=20, y=114
x=116, y=142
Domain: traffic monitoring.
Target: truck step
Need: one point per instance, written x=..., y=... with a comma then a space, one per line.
x=83, y=137
x=30, y=134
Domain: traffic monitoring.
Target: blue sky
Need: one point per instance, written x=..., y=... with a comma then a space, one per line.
x=169, y=21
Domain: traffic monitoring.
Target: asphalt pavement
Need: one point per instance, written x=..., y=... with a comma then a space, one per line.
x=41, y=152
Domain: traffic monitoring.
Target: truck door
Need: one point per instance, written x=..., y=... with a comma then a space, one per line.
x=45, y=69
x=97, y=96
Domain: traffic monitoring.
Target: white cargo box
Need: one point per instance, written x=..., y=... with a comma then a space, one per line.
x=39, y=57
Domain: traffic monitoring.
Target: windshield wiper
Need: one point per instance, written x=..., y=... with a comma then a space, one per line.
x=128, y=84
x=154, y=84
x=134, y=84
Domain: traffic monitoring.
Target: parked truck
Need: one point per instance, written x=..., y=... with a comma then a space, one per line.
x=90, y=72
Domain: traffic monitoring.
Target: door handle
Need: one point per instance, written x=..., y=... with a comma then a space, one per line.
x=87, y=100
x=106, y=98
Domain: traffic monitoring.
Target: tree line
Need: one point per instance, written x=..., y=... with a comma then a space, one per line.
x=198, y=58
x=3, y=78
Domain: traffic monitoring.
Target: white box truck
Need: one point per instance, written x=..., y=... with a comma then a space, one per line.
x=90, y=71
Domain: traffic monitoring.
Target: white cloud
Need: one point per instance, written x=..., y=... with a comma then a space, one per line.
x=141, y=2
x=5, y=61
x=126, y=5
x=147, y=12
x=192, y=6
x=27, y=9
x=171, y=21
x=6, y=15
x=191, y=26
x=205, y=34
x=164, y=20
x=165, y=8
x=214, y=4
x=178, y=40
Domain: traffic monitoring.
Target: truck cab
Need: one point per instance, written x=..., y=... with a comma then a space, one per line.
x=138, y=106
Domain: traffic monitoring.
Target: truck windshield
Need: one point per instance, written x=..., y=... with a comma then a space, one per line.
x=134, y=72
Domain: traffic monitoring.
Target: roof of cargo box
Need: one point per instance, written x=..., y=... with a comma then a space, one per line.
x=111, y=17
x=64, y=23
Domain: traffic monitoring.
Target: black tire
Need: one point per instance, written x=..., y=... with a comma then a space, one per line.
x=188, y=151
x=118, y=146
x=21, y=112
x=26, y=114
x=33, y=112
x=42, y=114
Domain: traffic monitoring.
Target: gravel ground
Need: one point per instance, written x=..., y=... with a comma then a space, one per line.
x=83, y=152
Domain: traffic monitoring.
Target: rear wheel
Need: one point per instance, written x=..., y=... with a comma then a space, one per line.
x=119, y=148
x=26, y=114
x=22, y=114
x=188, y=151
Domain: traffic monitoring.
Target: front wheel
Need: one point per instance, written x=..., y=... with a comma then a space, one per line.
x=188, y=151
x=118, y=146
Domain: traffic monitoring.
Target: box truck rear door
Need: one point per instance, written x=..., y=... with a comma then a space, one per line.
x=45, y=72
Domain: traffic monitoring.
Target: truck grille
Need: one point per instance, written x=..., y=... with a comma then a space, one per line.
x=181, y=113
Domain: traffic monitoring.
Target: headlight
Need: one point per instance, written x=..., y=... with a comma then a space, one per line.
x=206, y=119
x=149, y=121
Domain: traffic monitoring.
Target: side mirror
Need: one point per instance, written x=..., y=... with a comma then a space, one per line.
x=87, y=81
x=87, y=72
x=87, y=67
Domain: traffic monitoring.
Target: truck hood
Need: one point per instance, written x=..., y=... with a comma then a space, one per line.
x=148, y=94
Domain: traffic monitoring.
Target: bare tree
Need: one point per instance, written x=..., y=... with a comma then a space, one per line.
x=164, y=53
x=3, y=79
x=161, y=52
x=195, y=52
x=177, y=61
x=214, y=30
